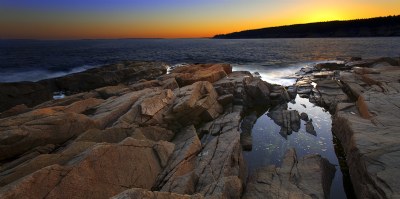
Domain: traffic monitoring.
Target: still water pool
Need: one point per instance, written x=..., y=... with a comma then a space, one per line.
x=269, y=146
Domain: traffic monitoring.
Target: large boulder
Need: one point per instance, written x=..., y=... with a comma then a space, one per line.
x=195, y=103
x=201, y=72
x=149, y=109
x=108, y=112
x=258, y=91
x=40, y=127
x=95, y=174
x=307, y=177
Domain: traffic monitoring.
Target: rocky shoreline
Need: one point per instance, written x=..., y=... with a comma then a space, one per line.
x=130, y=130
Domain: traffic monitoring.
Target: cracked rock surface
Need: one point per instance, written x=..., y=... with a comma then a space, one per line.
x=307, y=177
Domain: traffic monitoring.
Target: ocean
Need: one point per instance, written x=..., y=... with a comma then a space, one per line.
x=33, y=60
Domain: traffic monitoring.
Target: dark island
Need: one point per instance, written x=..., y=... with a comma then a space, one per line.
x=373, y=27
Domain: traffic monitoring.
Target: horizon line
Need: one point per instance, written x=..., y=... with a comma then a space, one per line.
x=206, y=37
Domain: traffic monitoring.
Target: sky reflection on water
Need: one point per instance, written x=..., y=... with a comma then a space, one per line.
x=269, y=147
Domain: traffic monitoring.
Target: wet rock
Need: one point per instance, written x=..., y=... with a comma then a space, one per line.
x=308, y=177
x=304, y=116
x=257, y=74
x=99, y=176
x=143, y=193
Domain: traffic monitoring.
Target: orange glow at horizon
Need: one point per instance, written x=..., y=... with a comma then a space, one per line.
x=185, y=23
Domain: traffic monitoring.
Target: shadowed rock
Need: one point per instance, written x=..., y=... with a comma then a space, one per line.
x=307, y=177
x=246, y=128
x=143, y=193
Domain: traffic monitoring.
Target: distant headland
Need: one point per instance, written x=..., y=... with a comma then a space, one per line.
x=373, y=27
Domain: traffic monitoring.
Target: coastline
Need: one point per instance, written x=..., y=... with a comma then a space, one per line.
x=186, y=125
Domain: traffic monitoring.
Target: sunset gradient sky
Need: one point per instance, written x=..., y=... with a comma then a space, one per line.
x=73, y=19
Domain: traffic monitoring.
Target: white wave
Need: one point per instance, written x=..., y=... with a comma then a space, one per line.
x=282, y=75
x=172, y=67
x=36, y=75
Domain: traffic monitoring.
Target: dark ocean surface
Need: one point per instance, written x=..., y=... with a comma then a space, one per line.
x=274, y=59
x=32, y=60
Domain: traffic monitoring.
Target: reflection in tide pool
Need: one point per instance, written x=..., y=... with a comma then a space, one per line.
x=269, y=146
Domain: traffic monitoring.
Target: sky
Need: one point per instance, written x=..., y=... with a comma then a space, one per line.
x=78, y=19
